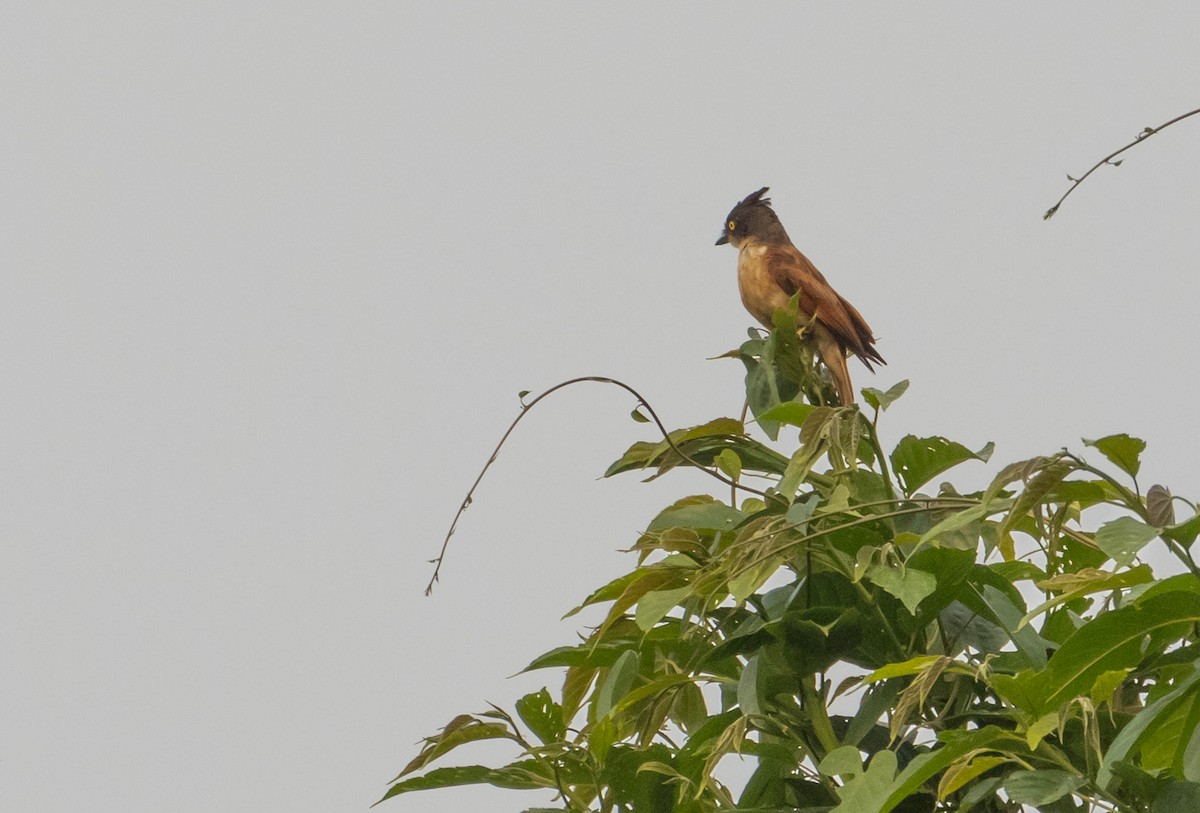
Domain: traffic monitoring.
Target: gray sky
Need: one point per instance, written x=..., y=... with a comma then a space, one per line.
x=273, y=275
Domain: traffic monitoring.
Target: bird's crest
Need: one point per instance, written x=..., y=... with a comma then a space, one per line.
x=756, y=198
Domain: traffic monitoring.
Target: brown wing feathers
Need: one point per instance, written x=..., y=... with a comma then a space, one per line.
x=793, y=272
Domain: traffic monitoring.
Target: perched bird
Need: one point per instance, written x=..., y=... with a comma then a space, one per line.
x=771, y=271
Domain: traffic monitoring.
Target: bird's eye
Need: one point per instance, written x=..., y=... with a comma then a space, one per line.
x=731, y=225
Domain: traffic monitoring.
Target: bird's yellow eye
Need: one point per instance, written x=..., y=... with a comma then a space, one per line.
x=731, y=225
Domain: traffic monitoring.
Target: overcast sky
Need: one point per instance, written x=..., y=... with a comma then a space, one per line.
x=274, y=274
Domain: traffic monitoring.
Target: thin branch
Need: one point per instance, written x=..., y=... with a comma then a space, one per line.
x=884, y=472
x=1142, y=136
x=525, y=411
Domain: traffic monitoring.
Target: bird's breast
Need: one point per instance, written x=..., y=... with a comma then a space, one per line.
x=760, y=292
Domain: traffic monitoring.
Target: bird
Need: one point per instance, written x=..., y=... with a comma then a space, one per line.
x=771, y=270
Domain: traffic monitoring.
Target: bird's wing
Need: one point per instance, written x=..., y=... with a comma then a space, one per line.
x=793, y=272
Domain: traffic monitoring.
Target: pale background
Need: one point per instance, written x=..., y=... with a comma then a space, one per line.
x=274, y=273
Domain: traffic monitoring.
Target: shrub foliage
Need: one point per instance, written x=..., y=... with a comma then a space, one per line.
x=866, y=640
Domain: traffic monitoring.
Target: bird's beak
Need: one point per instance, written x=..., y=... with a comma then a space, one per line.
x=722, y=240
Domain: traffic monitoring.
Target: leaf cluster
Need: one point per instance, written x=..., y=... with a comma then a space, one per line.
x=868, y=641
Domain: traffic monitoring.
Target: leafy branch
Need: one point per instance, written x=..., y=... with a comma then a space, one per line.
x=726, y=635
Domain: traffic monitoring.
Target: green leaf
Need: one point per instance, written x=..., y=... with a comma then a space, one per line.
x=908, y=584
x=1106, y=685
x=883, y=400
x=608, y=592
x=702, y=444
x=1187, y=753
x=518, y=776
x=912, y=699
x=656, y=604
x=1143, y=725
x=714, y=730
x=963, y=518
x=1123, y=537
x=636, y=780
x=1040, y=787
x=462, y=729
x=1048, y=477
x=1113, y=640
x=800, y=464
x=1008, y=615
x=869, y=791
x=1185, y=532
x=689, y=710
x=703, y=516
x=674, y=540
x=747, y=689
x=1181, y=581
x=792, y=413
x=1178, y=797
x=764, y=790
x=576, y=683
x=961, y=773
x=793, y=360
x=638, y=416
x=654, y=688
x=617, y=684
x=965, y=627
x=952, y=566
x=867, y=486
x=916, y=461
x=558, y=657
x=912, y=666
x=1019, y=470
x=1124, y=452
x=601, y=736
x=767, y=384
x=845, y=762
x=1085, y=492
x=743, y=585
x=543, y=716
x=955, y=745
x=1040, y=728
x=1085, y=582
x=878, y=700
x=728, y=461
x=1165, y=751
x=654, y=577
x=1017, y=571
x=800, y=511
x=715, y=427
x=636, y=457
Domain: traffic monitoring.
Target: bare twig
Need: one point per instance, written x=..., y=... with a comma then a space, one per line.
x=1142, y=136
x=524, y=411
x=1108, y=160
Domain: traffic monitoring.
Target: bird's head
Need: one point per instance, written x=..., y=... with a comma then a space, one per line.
x=752, y=217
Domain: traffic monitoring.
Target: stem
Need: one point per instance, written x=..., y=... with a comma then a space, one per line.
x=742, y=420
x=1132, y=501
x=525, y=408
x=1182, y=554
x=818, y=715
x=884, y=471
x=1142, y=136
